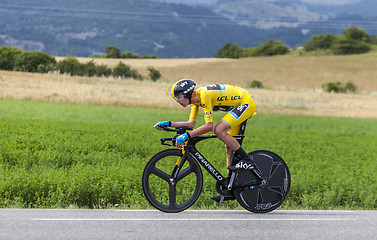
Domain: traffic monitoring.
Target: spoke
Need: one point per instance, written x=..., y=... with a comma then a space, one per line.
x=243, y=199
x=159, y=173
x=172, y=195
x=274, y=166
x=185, y=172
x=260, y=197
x=276, y=189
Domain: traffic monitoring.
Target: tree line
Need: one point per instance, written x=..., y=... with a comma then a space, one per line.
x=114, y=52
x=14, y=59
x=353, y=41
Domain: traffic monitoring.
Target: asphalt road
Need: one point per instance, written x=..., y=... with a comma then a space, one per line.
x=191, y=224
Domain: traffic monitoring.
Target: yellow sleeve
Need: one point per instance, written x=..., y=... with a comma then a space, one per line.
x=207, y=107
x=194, y=112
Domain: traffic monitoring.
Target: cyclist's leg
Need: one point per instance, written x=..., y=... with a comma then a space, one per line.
x=234, y=119
x=231, y=144
x=230, y=124
x=229, y=155
x=223, y=131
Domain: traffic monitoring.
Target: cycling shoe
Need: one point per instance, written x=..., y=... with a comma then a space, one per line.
x=242, y=165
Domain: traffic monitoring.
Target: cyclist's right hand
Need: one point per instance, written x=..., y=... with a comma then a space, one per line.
x=159, y=125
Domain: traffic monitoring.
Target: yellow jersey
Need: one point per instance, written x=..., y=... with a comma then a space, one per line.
x=219, y=97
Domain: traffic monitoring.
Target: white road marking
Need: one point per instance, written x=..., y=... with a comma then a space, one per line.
x=192, y=219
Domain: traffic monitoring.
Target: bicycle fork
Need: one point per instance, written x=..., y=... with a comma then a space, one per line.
x=178, y=165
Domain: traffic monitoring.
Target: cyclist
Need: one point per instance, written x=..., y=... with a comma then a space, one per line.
x=217, y=97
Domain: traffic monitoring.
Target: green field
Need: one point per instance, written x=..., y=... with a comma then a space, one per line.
x=67, y=155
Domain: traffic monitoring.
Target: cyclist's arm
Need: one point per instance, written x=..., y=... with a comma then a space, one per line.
x=189, y=123
x=207, y=127
x=200, y=130
x=192, y=119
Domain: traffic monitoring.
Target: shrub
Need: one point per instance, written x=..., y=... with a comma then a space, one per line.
x=128, y=54
x=229, y=51
x=153, y=56
x=42, y=68
x=124, y=71
x=337, y=87
x=88, y=69
x=353, y=41
x=355, y=34
x=103, y=70
x=344, y=45
x=69, y=65
x=112, y=52
x=30, y=61
x=8, y=56
x=319, y=42
x=350, y=87
x=154, y=74
x=332, y=87
x=256, y=84
x=269, y=48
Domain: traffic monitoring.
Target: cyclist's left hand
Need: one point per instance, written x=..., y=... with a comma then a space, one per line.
x=160, y=125
x=181, y=139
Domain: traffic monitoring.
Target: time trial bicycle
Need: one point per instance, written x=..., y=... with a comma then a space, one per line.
x=172, y=179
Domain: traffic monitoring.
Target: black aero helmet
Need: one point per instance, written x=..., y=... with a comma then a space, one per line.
x=184, y=87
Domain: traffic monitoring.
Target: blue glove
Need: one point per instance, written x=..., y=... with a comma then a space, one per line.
x=181, y=139
x=164, y=124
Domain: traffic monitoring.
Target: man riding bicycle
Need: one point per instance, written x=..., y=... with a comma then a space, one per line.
x=217, y=97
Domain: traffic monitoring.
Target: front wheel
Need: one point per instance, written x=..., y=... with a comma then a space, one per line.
x=262, y=198
x=164, y=194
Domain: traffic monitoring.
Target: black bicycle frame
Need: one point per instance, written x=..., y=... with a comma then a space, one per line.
x=199, y=157
x=203, y=161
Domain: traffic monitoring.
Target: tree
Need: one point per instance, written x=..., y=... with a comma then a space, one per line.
x=229, y=51
x=344, y=45
x=89, y=69
x=124, y=71
x=112, y=52
x=154, y=74
x=31, y=61
x=128, y=54
x=69, y=65
x=319, y=42
x=103, y=70
x=356, y=34
x=353, y=41
x=269, y=48
x=8, y=56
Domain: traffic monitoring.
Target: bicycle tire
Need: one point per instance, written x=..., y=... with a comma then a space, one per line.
x=160, y=192
x=263, y=199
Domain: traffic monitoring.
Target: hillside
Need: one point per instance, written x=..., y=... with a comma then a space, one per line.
x=310, y=15
x=84, y=28
x=263, y=14
x=169, y=30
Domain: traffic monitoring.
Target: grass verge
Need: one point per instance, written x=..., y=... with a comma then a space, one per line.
x=89, y=156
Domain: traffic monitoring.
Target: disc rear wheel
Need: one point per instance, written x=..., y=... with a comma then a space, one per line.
x=262, y=198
